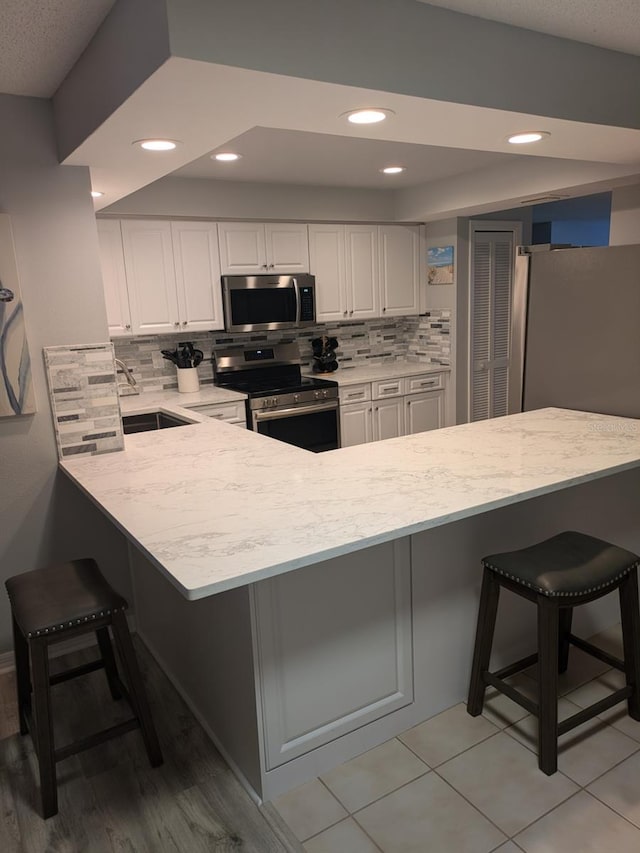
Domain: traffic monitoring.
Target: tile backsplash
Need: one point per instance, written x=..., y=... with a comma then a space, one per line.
x=84, y=399
x=423, y=339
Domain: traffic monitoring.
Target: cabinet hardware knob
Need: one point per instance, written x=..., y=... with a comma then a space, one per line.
x=383, y=310
x=176, y=324
x=271, y=266
x=184, y=322
x=344, y=313
x=128, y=326
x=350, y=312
x=264, y=267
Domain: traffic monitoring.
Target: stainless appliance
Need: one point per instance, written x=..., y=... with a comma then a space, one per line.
x=281, y=402
x=262, y=302
x=575, y=333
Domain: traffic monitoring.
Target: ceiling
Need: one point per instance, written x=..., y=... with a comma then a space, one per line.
x=272, y=155
x=40, y=42
x=265, y=117
x=614, y=24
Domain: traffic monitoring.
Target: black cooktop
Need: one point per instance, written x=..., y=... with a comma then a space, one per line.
x=264, y=386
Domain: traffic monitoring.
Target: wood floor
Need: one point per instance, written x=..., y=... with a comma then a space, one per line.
x=111, y=801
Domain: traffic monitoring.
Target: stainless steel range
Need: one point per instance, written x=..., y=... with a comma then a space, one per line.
x=281, y=402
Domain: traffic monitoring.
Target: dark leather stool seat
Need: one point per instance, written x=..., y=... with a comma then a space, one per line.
x=558, y=574
x=53, y=604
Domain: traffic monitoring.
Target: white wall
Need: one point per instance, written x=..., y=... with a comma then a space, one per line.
x=625, y=216
x=244, y=200
x=43, y=516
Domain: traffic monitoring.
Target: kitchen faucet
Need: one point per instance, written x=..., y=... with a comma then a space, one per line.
x=127, y=375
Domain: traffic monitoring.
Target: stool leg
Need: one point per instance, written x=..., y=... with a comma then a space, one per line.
x=23, y=679
x=548, y=624
x=630, y=619
x=44, y=728
x=566, y=617
x=484, y=639
x=132, y=673
x=110, y=668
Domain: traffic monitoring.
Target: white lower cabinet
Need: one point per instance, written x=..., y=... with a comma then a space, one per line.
x=424, y=412
x=355, y=424
x=333, y=647
x=388, y=418
x=390, y=408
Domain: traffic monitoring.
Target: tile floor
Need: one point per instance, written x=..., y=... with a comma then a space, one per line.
x=459, y=784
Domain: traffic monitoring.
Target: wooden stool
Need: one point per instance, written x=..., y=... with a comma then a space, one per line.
x=53, y=604
x=557, y=575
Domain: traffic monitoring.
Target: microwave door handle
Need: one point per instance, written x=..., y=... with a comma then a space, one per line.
x=297, y=292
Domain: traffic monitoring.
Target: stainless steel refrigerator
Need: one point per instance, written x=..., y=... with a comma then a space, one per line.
x=575, y=330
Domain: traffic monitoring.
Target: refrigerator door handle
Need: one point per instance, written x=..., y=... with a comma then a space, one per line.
x=518, y=330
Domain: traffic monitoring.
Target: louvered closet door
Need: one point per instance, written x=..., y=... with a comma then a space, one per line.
x=492, y=281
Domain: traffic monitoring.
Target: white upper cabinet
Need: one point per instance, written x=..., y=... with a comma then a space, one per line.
x=197, y=268
x=363, y=298
x=327, y=264
x=253, y=248
x=113, y=277
x=148, y=258
x=287, y=247
x=399, y=269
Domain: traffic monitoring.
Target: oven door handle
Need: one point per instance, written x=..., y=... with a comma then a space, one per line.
x=294, y=410
x=297, y=293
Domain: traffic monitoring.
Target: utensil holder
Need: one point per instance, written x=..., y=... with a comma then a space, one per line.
x=188, y=380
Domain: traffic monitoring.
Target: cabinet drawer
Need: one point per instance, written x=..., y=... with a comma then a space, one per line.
x=387, y=388
x=230, y=412
x=355, y=393
x=427, y=382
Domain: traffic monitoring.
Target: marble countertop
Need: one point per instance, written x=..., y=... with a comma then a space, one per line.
x=216, y=507
x=375, y=372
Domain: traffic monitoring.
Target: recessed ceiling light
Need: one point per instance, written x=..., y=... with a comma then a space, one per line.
x=393, y=170
x=527, y=136
x=156, y=144
x=226, y=156
x=370, y=115
x=96, y=194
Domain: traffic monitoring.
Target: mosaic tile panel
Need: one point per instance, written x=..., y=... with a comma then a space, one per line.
x=359, y=343
x=429, y=338
x=84, y=399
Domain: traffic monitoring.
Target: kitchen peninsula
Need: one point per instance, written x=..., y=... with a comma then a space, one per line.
x=311, y=606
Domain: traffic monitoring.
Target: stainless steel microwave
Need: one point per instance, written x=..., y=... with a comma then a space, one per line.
x=254, y=303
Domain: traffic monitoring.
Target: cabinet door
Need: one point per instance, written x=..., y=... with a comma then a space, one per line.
x=362, y=271
x=333, y=644
x=148, y=259
x=355, y=424
x=287, y=247
x=388, y=419
x=327, y=264
x=114, y=279
x=197, y=265
x=424, y=411
x=399, y=269
x=242, y=248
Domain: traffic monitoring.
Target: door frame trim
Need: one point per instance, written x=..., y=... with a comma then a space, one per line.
x=475, y=226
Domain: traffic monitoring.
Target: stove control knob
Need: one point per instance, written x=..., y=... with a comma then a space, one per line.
x=316, y=395
x=325, y=394
x=296, y=398
x=274, y=401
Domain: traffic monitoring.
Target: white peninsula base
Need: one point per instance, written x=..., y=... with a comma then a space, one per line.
x=295, y=674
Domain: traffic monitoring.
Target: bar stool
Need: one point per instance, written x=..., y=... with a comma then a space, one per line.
x=557, y=575
x=53, y=604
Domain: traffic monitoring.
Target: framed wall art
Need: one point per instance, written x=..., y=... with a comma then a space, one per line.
x=440, y=265
x=16, y=386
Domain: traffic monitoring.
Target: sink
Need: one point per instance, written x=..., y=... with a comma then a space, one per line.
x=149, y=421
